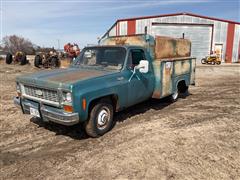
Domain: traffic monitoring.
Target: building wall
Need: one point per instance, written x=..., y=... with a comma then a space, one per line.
x=220, y=31
x=236, y=45
x=200, y=36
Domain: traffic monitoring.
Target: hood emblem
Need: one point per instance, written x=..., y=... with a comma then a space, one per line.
x=39, y=92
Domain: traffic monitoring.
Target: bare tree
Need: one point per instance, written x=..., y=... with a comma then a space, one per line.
x=16, y=43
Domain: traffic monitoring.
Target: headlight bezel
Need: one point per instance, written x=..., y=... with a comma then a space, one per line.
x=67, y=97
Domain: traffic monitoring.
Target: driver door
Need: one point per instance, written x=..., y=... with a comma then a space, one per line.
x=140, y=87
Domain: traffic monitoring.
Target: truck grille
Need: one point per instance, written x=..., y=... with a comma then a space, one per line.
x=45, y=94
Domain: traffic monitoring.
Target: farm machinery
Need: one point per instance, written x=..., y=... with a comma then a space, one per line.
x=18, y=58
x=47, y=60
x=54, y=59
x=72, y=50
x=211, y=59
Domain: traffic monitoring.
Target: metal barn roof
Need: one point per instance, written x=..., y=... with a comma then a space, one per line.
x=177, y=14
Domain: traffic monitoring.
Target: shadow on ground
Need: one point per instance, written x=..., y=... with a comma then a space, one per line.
x=77, y=131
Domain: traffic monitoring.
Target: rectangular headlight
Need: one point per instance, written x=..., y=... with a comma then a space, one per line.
x=67, y=97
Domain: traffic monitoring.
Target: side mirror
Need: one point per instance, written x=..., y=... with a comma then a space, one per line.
x=143, y=66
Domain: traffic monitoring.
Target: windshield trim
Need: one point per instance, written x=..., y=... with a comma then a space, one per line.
x=76, y=62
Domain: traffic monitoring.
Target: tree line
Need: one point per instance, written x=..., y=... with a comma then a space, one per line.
x=13, y=43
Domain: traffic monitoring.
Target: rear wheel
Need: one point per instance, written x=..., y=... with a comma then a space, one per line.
x=55, y=63
x=9, y=58
x=203, y=61
x=218, y=62
x=100, y=119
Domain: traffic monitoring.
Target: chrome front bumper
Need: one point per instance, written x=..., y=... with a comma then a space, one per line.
x=47, y=113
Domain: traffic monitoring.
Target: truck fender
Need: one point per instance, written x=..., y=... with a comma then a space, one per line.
x=113, y=98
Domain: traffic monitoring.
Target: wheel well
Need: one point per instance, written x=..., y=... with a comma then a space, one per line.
x=113, y=99
x=181, y=86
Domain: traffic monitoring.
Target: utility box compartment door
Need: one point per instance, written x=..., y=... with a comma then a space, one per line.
x=169, y=72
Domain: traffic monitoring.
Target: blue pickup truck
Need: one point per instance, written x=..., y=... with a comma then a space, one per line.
x=103, y=80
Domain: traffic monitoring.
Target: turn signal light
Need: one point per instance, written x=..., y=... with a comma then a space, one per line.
x=84, y=104
x=68, y=108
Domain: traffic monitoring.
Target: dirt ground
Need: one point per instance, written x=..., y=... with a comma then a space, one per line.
x=198, y=137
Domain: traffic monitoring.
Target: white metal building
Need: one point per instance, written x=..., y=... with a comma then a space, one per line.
x=207, y=34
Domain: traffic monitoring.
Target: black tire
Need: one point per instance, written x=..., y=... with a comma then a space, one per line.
x=9, y=58
x=218, y=62
x=37, y=61
x=184, y=90
x=23, y=60
x=97, y=125
x=55, y=63
x=203, y=61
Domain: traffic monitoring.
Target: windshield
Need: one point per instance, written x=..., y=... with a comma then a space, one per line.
x=102, y=57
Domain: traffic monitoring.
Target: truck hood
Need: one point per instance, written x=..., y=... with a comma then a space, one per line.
x=61, y=77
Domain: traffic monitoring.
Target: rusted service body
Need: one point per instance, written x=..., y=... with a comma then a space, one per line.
x=170, y=59
x=168, y=72
x=167, y=47
x=105, y=79
x=159, y=47
x=145, y=41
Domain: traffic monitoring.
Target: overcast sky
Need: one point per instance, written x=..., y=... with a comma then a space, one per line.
x=45, y=22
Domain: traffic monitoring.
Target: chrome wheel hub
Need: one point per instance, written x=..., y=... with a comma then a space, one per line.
x=103, y=118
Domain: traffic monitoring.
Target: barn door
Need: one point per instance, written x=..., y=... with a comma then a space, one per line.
x=219, y=50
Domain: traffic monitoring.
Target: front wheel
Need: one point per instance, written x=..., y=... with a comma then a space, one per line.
x=100, y=119
x=218, y=62
x=23, y=60
x=37, y=61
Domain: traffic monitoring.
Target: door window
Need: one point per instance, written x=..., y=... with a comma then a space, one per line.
x=135, y=56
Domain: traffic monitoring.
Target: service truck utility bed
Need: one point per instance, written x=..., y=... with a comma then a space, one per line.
x=169, y=71
x=170, y=58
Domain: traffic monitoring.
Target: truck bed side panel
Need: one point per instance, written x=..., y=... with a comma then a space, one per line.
x=169, y=72
x=193, y=70
x=158, y=76
x=166, y=81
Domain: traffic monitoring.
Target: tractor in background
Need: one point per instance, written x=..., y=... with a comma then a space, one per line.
x=18, y=58
x=72, y=50
x=212, y=59
x=47, y=60
x=51, y=58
